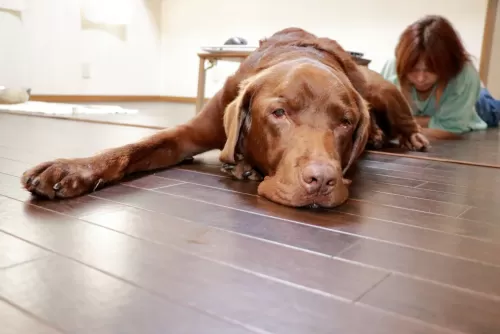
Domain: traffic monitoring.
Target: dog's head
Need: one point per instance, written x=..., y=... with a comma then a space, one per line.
x=301, y=124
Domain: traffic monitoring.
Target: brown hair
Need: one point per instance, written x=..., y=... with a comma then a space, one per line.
x=434, y=40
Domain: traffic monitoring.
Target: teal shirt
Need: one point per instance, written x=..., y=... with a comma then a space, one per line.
x=456, y=111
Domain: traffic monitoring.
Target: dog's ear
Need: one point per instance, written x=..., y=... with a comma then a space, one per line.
x=236, y=115
x=362, y=132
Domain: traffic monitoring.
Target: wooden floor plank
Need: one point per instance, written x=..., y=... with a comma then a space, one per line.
x=185, y=279
x=302, y=236
x=15, y=321
x=482, y=173
x=459, y=197
x=361, y=190
x=404, y=197
x=77, y=298
x=386, y=211
x=14, y=251
x=361, y=177
x=375, y=229
x=465, y=149
x=221, y=182
x=426, y=164
x=382, y=195
x=397, y=160
x=12, y=167
x=145, y=225
x=311, y=270
x=434, y=304
x=475, y=199
x=450, y=225
x=416, y=171
x=27, y=156
x=365, y=209
x=424, y=239
x=312, y=239
x=303, y=268
x=466, y=180
x=467, y=190
x=490, y=215
x=447, y=270
x=151, y=182
x=401, y=234
x=10, y=186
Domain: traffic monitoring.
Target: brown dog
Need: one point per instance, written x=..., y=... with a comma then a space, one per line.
x=299, y=111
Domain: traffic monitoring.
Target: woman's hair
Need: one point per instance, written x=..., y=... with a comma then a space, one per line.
x=434, y=40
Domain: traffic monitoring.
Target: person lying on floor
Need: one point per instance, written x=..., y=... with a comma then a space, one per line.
x=436, y=74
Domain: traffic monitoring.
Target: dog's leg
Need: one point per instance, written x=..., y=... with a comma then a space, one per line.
x=65, y=178
x=402, y=121
x=384, y=96
x=390, y=100
x=377, y=138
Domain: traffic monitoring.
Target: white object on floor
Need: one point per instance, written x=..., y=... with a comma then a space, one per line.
x=47, y=108
x=14, y=95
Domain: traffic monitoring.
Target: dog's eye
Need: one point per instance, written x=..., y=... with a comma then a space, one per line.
x=279, y=113
x=346, y=122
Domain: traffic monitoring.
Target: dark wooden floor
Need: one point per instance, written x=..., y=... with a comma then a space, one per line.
x=187, y=250
x=480, y=147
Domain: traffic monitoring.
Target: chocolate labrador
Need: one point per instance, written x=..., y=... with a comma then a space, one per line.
x=299, y=111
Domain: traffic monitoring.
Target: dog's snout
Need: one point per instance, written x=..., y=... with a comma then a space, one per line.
x=319, y=177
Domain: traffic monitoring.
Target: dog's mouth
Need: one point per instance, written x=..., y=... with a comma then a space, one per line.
x=293, y=196
x=321, y=202
x=317, y=203
x=313, y=206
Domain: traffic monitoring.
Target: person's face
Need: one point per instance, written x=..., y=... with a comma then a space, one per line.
x=421, y=77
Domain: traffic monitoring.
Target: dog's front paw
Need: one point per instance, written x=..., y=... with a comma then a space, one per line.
x=377, y=139
x=416, y=142
x=242, y=171
x=62, y=178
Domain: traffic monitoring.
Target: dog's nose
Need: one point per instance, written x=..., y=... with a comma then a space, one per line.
x=319, y=177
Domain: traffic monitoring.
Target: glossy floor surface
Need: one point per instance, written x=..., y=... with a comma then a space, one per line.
x=478, y=147
x=187, y=250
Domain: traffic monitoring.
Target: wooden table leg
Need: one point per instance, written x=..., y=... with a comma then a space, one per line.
x=200, y=97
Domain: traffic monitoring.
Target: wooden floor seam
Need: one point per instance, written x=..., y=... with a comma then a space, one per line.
x=333, y=210
x=355, y=301
x=111, y=274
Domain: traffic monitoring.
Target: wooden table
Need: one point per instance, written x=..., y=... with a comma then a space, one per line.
x=213, y=57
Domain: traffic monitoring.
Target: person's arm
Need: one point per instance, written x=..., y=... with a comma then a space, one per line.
x=423, y=121
x=456, y=109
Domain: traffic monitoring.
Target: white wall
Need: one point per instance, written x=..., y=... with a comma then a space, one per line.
x=46, y=48
x=369, y=26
